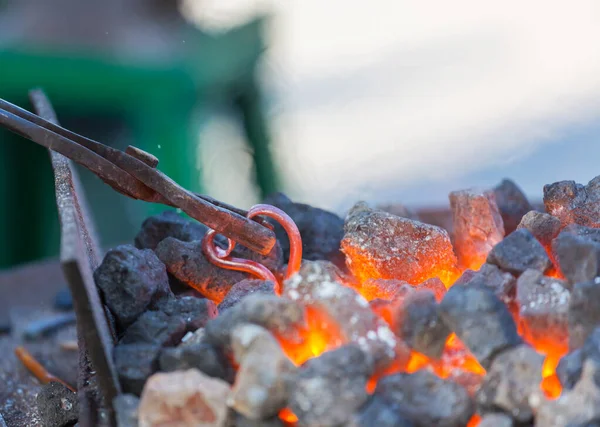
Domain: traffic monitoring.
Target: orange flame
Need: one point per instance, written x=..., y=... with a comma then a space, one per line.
x=550, y=383
x=322, y=334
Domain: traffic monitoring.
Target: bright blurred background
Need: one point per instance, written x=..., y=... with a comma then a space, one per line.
x=329, y=101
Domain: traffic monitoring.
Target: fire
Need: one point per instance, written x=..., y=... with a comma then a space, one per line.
x=320, y=335
x=474, y=421
x=287, y=416
x=550, y=383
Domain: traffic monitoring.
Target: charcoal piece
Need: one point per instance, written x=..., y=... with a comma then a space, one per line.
x=518, y=252
x=574, y=408
x=481, y=321
x=57, y=405
x=259, y=391
x=312, y=286
x=130, y=280
x=477, y=225
x=63, y=300
x=195, y=312
x=489, y=276
x=321, y=231
x=569, y=368
x=584, y=314
x=389, y=289
x=434, y=285
x=241, y=421
x=420, y=325
x=379, y=245
x=512, y=204
x=202, y=356
x=426, y=400
x=496, y=420
x=544, y=309
x=134, y=363
x=330, y=388
x=281, y=316
x=513, y=378
x=577, y=257
x=588, y=233
x=186, y=262
x=168, y=224
x=243, y=289
x=379, y=413
x=543, y=226
x=155, y=327
x=574, y=203
x=126, y=410
x=184, y=398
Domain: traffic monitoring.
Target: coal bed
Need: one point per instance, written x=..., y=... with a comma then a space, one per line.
x=485, y=315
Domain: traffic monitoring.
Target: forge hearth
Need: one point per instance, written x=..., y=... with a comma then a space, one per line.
x=485, y=314
x=416, y=328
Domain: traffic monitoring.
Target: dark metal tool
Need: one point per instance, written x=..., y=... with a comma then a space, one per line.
x=134, y=174
x=80, y=254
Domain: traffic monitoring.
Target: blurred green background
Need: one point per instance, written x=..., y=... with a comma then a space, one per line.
x=124, y=73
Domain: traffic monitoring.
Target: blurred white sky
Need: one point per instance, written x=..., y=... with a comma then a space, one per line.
x=404, y=101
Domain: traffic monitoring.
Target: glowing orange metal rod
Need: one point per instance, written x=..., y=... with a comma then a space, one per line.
x=222, y=257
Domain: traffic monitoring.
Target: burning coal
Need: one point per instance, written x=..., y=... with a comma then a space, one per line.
x=389, y=321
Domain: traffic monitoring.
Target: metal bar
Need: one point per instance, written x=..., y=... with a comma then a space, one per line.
x=80, y=255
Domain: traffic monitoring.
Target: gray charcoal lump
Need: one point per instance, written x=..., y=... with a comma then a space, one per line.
x=155, y=327
x=186, y=262
x=510, y=383
x=202, y=356
x=379, y=413
x=321, y=231
x=426, y=400
x=168, y=224
x=278, y=315
x=57, y=405
x=420, y=325
x=512, y=203
x=577, y=256
x=543, y=226
x=489, y=276
x=134, y=363
x=243, y=289
x=518, y=252
x=481, y=321
x=496, y=420
x=570, y=366
x=195, y=312
x=584, y=315
x=574, y=203
x=330, y=388
x=544, y=308
x=131, y=280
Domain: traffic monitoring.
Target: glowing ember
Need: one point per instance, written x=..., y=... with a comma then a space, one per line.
x=288, y=417
x=321, y=334
x=474, y=421
x=478, y=226
x=379, y=245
